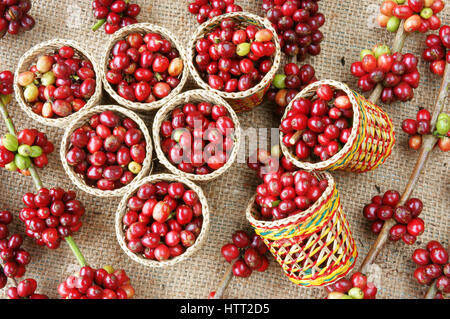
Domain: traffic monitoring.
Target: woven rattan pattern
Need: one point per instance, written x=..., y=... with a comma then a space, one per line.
x=349, y=28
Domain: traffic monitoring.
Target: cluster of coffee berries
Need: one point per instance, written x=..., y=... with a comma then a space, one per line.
x=287, y=85
x=58, y=84
x=6, y=83
x=144, y=68
x=234, y=57
x=26, y=289
x=281, y=196
x=108, y=151
x=163, y=220
x=115, y=14
x=14, y=16
x=437, y=51
x=355, y=288
x=198, y=138
x=316, y=130
x=396, y=72
x=422, y=126
x=12, y=257
x=30, y=145
x=419, y=15
x=264, y=162
x=433, y=264
x=103, y=283
x=51, y=215
x=247, y=254
x=382, y=208
x=206, y=9
x=297, y=23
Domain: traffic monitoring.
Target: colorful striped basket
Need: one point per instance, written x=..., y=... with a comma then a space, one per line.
x=369, y=144
x=315, y=247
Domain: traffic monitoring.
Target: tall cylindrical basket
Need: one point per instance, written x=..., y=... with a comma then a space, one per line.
x=315, y=247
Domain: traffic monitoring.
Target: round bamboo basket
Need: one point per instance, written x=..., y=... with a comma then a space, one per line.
x=315, y=247
x=31, y=56
x=195, y=96
x=122, y=209
x=371, y=140
x=245, y=100
x=81, y=120
x=143, y=28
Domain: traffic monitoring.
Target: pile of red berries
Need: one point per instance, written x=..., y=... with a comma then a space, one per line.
x=247, y=252
x=198, y=138
x=287, y=85
x=144, y=68
x=26, y=289
x=396, y=72
x=264, y=162
x=318, y=129
x=108, y=152
x=382, y=208
x=419, y=15
x=103, y=283
x=297, y=22
x=163, y=220
x=355, y=288
x=58, y=84
x=422, y=126
x=437, y=50
x=116, y=13
x=234, y=57
x=30, y=145
x=288, y=194
x=433, y=264
x=14, y=16
x=12, y=257
x=206, y=9
x=51, y=215
x=6, y=82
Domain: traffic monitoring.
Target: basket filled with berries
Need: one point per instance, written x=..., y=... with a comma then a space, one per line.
x=144, y=67
x=330, y=127
x=235, y=55
x=301, y=220
x=55, y=80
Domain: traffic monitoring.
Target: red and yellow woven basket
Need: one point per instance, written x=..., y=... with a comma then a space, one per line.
x=369, y=144
x=314, y=248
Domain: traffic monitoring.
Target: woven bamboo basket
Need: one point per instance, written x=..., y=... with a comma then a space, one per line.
x=31, y=56
x=143, y=28
x=246, y=100
x=321, y=231
x=369, y=144
x=83, y=119
x=194, y=96
x=122, y=209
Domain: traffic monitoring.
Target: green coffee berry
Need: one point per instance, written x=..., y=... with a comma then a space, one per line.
x=12, y=167
x=356, y=293
x=243, y=49
x=22, y=162
x=279, y=81
x=134, y=167
x=393, y=24
x=10, y=142
x=24, y=150
x=382, y=49
x=36, y=151
x=443, y=126
x=48, y=78
x=365, y=52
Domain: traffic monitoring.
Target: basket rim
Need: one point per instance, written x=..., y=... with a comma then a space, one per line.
x=120, y=35
x=33, y=53
x=147, y=165
x=185, y=97
x=255, y=89
x=307, y=91
x=291, y=219
x=122, y=208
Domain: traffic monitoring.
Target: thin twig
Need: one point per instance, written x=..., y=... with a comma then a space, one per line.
x=224, y=282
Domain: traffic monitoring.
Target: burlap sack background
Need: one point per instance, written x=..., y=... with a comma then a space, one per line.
x=349, y=28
